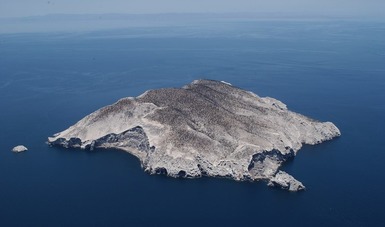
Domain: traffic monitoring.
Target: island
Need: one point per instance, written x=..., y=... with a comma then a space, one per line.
x=206, y=128
x=19, y=148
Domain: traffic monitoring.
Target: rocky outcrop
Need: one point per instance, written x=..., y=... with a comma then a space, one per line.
x=206, y=128
x=19, y=148
x=285, y=181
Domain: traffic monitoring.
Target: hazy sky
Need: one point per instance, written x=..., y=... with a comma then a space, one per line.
x=367, y=8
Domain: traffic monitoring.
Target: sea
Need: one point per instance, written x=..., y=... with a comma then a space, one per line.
x=330, y=70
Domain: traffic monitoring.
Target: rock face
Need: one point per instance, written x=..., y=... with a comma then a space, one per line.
x=19, y=148
x=206, y=128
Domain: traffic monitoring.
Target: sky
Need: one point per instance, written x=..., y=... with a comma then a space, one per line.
x=355, y=8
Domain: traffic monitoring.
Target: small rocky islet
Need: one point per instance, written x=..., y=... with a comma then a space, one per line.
x=19, y=148
x=206, y=128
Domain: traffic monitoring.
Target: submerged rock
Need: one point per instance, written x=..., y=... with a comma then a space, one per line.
x=19, y=148
x=206, y=128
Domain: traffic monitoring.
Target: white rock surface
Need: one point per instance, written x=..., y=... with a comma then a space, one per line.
x=206, y=128
x=19, y=148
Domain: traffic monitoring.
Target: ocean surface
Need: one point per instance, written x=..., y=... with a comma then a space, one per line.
x=328, y=70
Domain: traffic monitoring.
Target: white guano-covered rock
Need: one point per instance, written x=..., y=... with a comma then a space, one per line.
x=206, y=128
x=19, y=148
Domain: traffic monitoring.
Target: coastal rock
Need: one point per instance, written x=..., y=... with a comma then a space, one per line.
x=286, y=181
x=19, y=148
x=206, y=128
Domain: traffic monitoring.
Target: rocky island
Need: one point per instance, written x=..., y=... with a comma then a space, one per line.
x=206, y=128
x=19, y=148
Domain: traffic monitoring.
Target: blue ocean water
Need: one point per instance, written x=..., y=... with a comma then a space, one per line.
x=328, y=70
